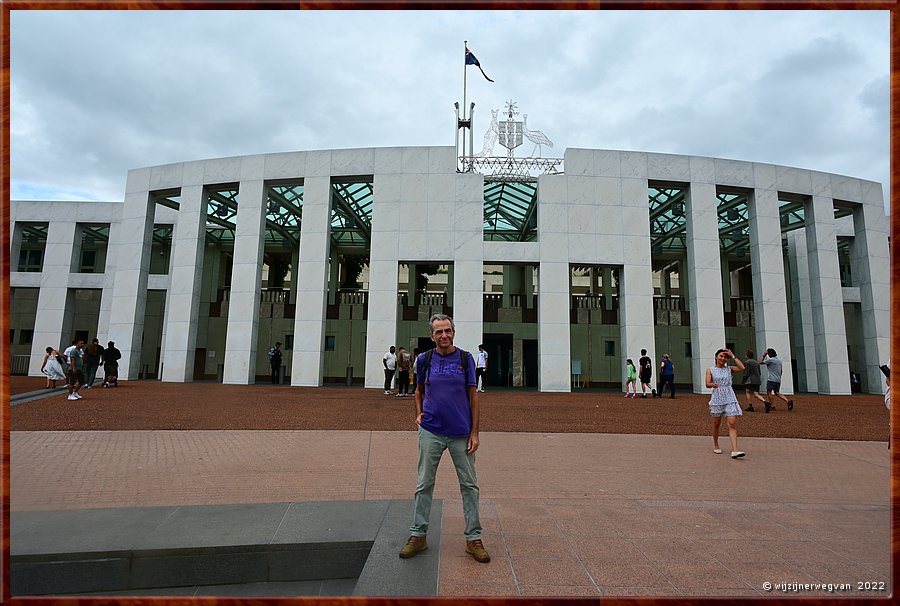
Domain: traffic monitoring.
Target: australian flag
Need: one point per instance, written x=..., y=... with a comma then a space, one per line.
x=472, y=60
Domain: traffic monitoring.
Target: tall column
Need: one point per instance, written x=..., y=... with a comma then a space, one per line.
x=183, y=297
x=55, y=305
x=801, y=303
x=636, y=323
x=769, y=287
x=295, y=260
x=607, y=288
x=507, y=285
x=871, y=272
x=411, y=285
x=468, y=296
x=833, y=365
x=554, y=338
x=130, y=243
x=307, y=363
x=705, y=280
x=451, y=286
x=528, y=287
x=726, y=283
x=246, y=278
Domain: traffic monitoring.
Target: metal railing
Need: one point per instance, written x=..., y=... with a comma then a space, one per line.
x=19, y=365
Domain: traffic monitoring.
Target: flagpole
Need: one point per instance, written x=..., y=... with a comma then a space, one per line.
x=465, y=71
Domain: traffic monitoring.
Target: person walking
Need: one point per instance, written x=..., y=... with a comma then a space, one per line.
x=275, y=357
x=481, y=367
x=93, y=352
x=773, y=381
x=752, y=381
x=666, y=376
x=390, y=366
x=75, y=368
x=630, y=378
x=404, y=362
x=52, y=368
x=448, y=418
x=111, y=357
x=722, y=401
x=646, y=372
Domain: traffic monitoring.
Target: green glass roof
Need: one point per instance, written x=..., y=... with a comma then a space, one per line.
x=351, y=216
x=667, y=229
x=284, y=213
x=510, y=211
x=35, y=233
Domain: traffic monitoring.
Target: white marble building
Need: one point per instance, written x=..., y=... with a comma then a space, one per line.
x=422, y=210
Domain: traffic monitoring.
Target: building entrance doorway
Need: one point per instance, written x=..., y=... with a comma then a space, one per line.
x=499, y=348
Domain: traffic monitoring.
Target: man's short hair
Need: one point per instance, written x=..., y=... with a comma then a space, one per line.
x=440, y=318
x=771, y=353
x=277, y=342
x=643, y=352
x=481, y=346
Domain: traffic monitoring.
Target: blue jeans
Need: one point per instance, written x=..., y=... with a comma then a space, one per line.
x=431, y=447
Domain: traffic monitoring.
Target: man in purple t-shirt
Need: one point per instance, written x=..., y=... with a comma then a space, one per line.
x=447, y=415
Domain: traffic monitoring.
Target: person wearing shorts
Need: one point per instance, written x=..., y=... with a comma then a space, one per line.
x=752, y=381
x=75, y=369
x=773, y=384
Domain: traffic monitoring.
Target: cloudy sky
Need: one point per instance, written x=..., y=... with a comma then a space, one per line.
x=94, y=94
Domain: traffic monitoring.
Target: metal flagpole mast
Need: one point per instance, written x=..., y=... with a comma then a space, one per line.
x=465, y=71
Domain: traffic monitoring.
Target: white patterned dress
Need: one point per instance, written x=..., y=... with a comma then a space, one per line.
x=722, y=401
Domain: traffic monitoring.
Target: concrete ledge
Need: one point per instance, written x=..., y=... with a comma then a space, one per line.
x=130, y=550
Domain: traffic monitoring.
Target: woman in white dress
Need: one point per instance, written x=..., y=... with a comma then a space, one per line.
x=52, y=368
x=723, y=402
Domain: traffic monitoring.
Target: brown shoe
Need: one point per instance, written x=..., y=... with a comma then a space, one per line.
x=413, y=546
x=476, y=548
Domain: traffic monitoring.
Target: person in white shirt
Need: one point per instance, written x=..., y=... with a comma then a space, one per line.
x=481, y=367
x=390, y=366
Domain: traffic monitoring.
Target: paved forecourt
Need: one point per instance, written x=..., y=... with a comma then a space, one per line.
x=563, y=514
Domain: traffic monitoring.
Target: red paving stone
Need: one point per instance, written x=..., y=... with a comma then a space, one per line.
x=582, y=494
x=671, y=518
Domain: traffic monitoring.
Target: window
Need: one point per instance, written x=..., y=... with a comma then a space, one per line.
x=288, y=342
x=25, y=336
x=329, y=342
x=88, y=261
x=687, y=350
x=609, y=348
x=31, y=259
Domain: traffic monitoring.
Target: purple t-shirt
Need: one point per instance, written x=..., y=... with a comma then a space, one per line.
x=446, y=403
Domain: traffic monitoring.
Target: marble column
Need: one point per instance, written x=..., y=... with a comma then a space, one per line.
x=637, y=326
x=769, y=286
x=726, y=283
x=871, y=272
x=705, y=280
x=384, y=263
x=833, y=365
x=801, y=302
x=131, y=242
x=295, y=260
x=183, y=297
x=528, y=287
x=55, y=305
x=607, y=288
x=246, y=278
x=307, y=362
x=554, y=275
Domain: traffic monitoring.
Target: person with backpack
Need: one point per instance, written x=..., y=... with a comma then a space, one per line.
x=111, y=356
x=666, y=376
x=448, y=416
